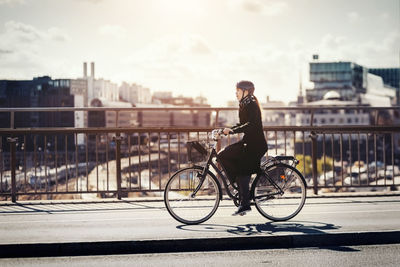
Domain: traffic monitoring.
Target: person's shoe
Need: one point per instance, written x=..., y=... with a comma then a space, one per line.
x=242, y=210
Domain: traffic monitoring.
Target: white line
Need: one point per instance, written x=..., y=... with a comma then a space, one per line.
x=167, y=217
x=85, y=220
x=350, y=211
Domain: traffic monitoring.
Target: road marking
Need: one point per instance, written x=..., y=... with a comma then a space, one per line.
x=85, y=220
x=168, y=217
x=350, y=211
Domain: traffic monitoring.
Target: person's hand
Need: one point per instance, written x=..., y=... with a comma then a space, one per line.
x=226, y=131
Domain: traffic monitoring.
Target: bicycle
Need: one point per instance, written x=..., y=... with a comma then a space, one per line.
x=192, y=194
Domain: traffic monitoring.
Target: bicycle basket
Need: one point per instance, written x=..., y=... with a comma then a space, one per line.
x=196, y=152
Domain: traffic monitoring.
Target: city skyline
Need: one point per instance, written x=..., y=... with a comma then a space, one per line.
x=196, y=48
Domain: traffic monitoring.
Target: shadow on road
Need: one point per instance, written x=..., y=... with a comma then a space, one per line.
x=271, y=228
x=50, y=208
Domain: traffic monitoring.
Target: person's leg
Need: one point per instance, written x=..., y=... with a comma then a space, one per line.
x=244, y=193
x=229, y=157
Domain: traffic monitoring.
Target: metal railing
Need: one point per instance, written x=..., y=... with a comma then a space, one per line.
x=214, y=111
x=120, y=162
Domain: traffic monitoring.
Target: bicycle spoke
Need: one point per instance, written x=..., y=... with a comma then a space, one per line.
x=190, y=198
x=279, y=195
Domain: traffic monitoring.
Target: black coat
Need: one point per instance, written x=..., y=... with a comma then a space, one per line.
x=243, y=157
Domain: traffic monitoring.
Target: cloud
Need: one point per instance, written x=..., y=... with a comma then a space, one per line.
x=370, y=53
x=353, y=16
x=57, y=34
x=189, y=64
x=264, y=7
x=385, y=16
x=25, y=49
x=115, y=31
x=197, y=45
x=12, y=2
x=24, y=33
x=4, y=51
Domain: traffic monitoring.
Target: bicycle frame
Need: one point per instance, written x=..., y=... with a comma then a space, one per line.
x=273, y=179
x=224, y=179
x=206, y=168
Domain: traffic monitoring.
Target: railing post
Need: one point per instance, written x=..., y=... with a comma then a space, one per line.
x=313, y=137
x=117, y=139
x=13, y=141
x=12, y=120
x=216, y=117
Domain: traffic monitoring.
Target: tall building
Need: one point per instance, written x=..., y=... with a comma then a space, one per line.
x=134, y=93
x=351, y=81
x=98, y=88
x=390, y=76
x=346, y=78
x=37, y=93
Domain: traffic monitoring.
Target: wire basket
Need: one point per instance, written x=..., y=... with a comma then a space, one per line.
x=196, y=151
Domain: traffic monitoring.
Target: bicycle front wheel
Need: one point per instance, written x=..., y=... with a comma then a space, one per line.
x=280, y=193
x=186, y=206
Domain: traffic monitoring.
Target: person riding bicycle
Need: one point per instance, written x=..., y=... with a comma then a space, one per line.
x=242, y=159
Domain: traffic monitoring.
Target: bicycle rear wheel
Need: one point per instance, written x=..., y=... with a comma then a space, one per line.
x=280, y=193
x=186, y=207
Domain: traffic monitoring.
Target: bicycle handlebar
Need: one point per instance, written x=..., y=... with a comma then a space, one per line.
x=216, y=134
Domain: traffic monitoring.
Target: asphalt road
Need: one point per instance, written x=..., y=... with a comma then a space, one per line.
x=382, y=255
x=52, y=222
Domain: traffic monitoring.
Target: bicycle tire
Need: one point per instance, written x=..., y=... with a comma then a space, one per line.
x=274, y=205
x=179, y=201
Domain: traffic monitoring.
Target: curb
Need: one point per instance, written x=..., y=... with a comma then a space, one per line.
x=200, y=244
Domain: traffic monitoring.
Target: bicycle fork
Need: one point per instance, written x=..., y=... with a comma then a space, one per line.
x=202, y=177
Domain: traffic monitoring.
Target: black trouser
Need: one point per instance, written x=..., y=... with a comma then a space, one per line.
x=232, y=159
x=244, y=192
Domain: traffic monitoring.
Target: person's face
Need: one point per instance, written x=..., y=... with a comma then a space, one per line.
x=239, y=94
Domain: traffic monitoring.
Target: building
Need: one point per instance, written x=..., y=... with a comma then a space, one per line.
x=272, y=117
x=346, y=78
x=168, y=99
x=105, y=89
x=332, y=116
x=38, y=93
x=351, y=81
x=343, y=84
x=161, y=96
x=390, y=76
x=178, y=118
x=109, y=118
x=135, y=93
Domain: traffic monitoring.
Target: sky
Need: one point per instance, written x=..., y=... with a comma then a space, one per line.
x=196, y=47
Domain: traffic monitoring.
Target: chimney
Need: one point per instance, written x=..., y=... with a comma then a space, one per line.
x=92, y=69
x=84, y=69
